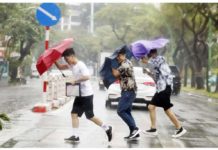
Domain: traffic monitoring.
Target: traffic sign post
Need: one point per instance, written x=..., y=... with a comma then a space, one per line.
x=47, y=14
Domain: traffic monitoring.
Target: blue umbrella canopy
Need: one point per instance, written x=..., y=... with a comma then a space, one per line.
x=111, y=62
x=106, y=73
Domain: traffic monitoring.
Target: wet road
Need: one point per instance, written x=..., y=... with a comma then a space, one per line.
x=197, y=114
x=13, y=98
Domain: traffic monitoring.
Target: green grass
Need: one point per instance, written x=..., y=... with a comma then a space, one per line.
x=3, y=117
x=200, y=92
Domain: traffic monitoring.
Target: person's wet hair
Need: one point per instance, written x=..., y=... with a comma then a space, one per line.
x=68, y=52
x=152, y=51
x=122, y=51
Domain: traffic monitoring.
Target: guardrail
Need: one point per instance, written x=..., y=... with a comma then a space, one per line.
x=55, y=94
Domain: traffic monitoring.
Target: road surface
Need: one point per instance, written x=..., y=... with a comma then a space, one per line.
x=198, y=115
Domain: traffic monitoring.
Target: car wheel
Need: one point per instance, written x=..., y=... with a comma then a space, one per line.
x=108, y=104
x=146, y=107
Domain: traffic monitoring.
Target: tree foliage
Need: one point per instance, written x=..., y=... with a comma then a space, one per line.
x=3, y=117
x=19, y=25
x=191, y=36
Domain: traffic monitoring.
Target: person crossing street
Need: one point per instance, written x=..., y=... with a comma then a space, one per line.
x=125, y=74
x=84, y=102
x=164, y=85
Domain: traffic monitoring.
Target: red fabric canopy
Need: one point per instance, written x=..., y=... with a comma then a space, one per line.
x=51, y=55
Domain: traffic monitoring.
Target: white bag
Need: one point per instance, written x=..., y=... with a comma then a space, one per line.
x=73, y=90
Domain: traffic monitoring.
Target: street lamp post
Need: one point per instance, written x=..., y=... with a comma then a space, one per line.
x=92, y=19
x=209, y=54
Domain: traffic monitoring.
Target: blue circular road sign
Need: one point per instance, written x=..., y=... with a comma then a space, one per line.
x=48, y=14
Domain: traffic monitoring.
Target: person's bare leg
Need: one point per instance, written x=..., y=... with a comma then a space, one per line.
x=96, y=120
x=75, y=125
x=75, y=120
x=106, y=128
x=152, y=113
x=173, y=118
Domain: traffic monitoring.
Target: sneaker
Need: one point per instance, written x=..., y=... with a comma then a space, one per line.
x=109, y=133
x=134, y=138
x=151, y=131
x=73, y=139
x=126, y=137
x=179, y=132
x=135, y=133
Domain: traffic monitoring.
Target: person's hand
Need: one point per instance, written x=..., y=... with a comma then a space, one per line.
x=73, y=82
x=144, y=60
x=115, y=73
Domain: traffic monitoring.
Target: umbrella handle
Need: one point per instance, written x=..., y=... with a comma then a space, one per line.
x=62, y=73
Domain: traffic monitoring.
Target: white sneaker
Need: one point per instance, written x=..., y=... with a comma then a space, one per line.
x=152, y=132
x=180, y=132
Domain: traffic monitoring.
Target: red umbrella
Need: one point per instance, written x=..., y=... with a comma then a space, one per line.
x=51, y=55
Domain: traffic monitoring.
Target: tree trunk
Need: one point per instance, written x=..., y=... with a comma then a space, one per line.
x=199, y=81
x=13, y=65
x=192, y=78
x=185, y=75
x=199, y=77
x=24, y=51
x=216, y=83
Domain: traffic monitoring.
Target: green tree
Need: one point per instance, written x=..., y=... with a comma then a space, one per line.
x=20, y=26
x=192, y=35
x=128, y=23
x=116, y=16
x=3, y=117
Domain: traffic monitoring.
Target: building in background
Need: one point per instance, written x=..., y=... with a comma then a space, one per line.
x=79, y=15
x=3, y=62
x=72, y=17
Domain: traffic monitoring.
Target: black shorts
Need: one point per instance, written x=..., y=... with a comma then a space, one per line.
x=162, y=99
x=83, y=104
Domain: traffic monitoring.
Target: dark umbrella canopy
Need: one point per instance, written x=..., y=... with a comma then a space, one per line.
x=106, y=73
x=111, y=62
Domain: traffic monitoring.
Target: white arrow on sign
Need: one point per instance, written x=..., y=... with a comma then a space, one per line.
x=47, y=13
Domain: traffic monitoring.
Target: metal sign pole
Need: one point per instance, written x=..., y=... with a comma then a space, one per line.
x=45, y=76
x=47, y=14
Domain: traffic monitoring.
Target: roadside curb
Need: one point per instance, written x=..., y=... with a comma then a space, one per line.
x=209, y=99
x=50, y=105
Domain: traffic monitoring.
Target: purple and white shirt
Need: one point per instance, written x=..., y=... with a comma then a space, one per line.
x=162, y=73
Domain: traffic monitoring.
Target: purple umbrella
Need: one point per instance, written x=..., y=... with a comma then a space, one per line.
x=142, y=47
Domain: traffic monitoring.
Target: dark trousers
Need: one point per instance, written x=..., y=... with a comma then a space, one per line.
x=125, y=107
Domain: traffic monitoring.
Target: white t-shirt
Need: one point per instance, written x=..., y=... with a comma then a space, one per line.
x=78, y=70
